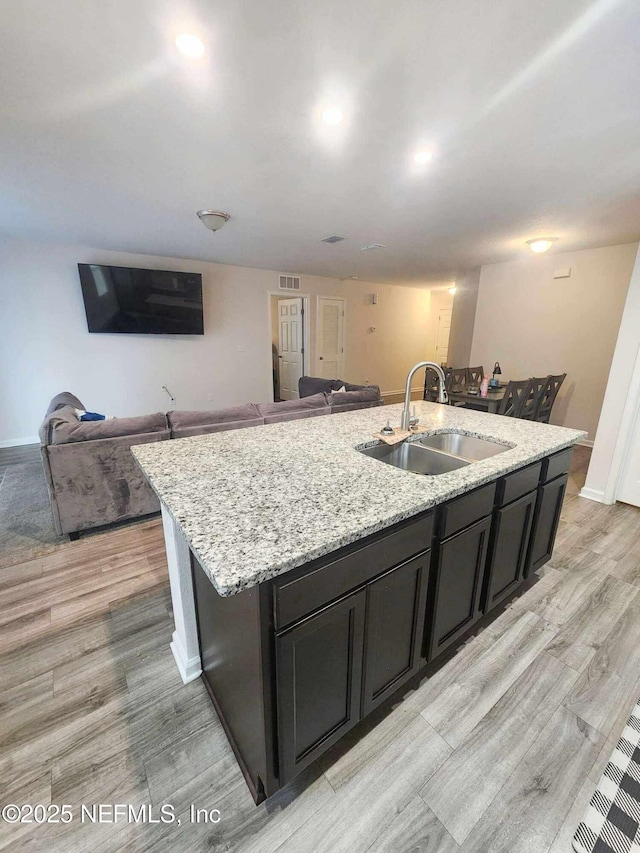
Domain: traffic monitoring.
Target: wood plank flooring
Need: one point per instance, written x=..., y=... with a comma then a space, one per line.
x=499, y=751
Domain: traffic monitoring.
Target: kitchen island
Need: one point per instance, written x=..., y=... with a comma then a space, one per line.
x=310, y=581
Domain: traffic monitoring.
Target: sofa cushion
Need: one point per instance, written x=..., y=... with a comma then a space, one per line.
x=185, y=424
x=310, y=385
x=291, y=410
x=370, y=394
x=66, y=398
x=65, y=433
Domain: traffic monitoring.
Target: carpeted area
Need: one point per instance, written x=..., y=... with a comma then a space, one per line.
x=26, y=524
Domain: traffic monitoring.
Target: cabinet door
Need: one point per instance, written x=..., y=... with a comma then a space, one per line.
x=319, y=680
x=510, y=543
x=459, y=575
x=545, y=523
x=394, y=629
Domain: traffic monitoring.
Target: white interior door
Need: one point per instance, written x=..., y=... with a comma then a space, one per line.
x=330, y=338
x=629, y=489
x=290, y=319
x=442, y=339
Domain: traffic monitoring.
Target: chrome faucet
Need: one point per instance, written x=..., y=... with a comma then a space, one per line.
x=443, y=397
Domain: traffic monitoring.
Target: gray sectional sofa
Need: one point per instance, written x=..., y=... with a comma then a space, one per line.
x=92, y=477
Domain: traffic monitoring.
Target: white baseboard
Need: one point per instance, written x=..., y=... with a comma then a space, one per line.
x=585, y=443
x=18, y=442
x=592, y=494
x=189, y=668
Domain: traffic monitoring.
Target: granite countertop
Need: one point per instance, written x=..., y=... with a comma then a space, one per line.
x=254, y=503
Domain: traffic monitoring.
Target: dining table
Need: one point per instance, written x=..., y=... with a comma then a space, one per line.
x=490, y=403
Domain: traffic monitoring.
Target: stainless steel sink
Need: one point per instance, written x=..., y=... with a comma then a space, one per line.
x=415, y=457
x=461, y=446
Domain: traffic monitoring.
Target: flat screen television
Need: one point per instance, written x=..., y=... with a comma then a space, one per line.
x=126, y=300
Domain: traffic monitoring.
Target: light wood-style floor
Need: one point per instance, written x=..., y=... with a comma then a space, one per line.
x=497, y=753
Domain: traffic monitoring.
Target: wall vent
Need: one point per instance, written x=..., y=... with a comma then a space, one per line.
x=333, y=239
x=289, y=282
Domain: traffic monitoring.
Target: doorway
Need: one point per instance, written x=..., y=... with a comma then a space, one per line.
x=289, y=325
x=330, y=338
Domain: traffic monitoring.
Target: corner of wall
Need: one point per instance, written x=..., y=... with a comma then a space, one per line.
x=463, y=319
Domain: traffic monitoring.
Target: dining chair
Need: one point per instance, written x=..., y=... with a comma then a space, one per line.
x=531, y=403
x=475, y=375
x=430, y=392
x=548, y=397
x=514, y=396
x=457, y=379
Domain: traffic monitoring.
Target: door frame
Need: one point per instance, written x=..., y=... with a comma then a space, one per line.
x=344, y=327
x=306, y=328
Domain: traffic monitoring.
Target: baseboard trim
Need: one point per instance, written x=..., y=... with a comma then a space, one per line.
x=592, y=494
x=18, y=442
x=585, y=442
x=189, y=668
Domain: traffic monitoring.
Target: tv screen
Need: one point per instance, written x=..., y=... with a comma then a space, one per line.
x=142, y=302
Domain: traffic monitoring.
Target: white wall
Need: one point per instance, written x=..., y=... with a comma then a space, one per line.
x=534, y=324
x=45, y=346
x=620, y=401
x=463, y=319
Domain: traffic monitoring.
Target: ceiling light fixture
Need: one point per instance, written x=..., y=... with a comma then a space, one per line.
x=541, y=244
x=190, y=46
x=213, y=219
x=333, y=116
x=423, y=156
x=452, y=289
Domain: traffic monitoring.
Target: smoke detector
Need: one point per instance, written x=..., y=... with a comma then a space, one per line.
x=213, y=219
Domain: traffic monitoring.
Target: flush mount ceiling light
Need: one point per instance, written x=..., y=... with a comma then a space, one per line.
x=541, y=244
x=213, y=219
x=190, y=46
x=452, y=289
x=333, y=116
x=423, y=156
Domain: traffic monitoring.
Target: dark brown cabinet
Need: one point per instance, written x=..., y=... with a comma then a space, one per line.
x=459, y=574
x=319, y=678
x=545, y=523
x=508, y=549
x=296, y=662
x=394, y=629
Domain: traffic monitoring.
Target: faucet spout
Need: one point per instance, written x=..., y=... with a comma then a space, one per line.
x=443, y=397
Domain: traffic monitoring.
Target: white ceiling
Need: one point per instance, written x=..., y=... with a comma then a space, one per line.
x=109, y=139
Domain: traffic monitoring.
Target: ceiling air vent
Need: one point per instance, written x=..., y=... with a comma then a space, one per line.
x=333, y=239
x=289, y=282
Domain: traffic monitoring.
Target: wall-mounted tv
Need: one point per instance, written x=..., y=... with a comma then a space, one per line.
x=141, y=302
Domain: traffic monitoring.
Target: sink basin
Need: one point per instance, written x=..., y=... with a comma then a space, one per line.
x=415, y=457
x=463, y=446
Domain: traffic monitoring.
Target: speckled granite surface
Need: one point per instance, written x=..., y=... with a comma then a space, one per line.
x=254, y=503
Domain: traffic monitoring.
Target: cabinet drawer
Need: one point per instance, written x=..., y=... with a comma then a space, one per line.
x=465, y=510
x=298, y=595
x=554, y=466
x=513, y=486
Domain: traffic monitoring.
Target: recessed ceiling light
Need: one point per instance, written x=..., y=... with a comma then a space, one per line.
x=541, y=244
x=190, y=45
x=423, y=156
x=332, y=116
x=452, y=289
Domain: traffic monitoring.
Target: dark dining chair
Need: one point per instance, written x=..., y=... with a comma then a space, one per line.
x=514, y=397
x=548, y=397
x=531, y=404
x=457, y=379
x=475, y=375
x=430, y=392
